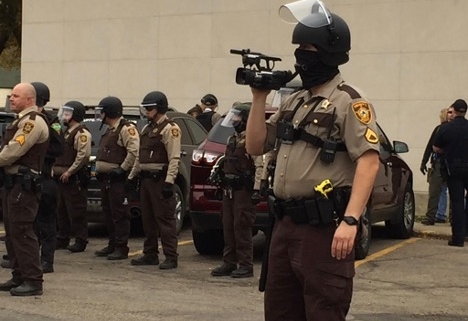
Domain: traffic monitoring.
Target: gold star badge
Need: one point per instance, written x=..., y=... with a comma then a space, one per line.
x=325, y=104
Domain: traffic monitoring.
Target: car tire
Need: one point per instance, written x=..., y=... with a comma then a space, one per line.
x=210, y=242
x=180, y=208
x=402, y=226
x=361, y=248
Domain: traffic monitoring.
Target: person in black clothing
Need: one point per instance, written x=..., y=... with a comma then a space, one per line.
x=452, y=141
x=46, y=219
x=434, y=176
x=209, y=116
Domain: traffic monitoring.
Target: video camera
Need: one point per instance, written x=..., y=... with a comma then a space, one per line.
x=261, y=77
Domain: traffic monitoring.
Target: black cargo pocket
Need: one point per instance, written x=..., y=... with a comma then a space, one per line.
x=336, y=286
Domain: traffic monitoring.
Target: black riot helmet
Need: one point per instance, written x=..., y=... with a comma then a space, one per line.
x=155, y=99
x=79, y=110
x=42, y=93
x=316, y=25
x=242, y=110
x=111, y=106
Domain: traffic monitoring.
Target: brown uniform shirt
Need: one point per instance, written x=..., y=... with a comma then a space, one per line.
x=129, y=139
x=298, y=167
x=258, y=160
x=30, y=132
x=82, y=145
x=170, y=137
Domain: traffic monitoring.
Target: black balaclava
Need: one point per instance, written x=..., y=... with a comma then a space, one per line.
x=311, y=69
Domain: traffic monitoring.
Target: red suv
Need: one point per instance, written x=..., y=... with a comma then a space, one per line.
x=391, y=201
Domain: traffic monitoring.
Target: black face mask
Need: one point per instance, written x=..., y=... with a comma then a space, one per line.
x=311, y=69
x=239, y=127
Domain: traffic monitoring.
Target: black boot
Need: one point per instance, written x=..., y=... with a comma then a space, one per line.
x=120, y=253
x=168, y=264
x=105, y=251
x=145, y=260
x=224, y=270
x=47, y=267
x=242, y=272
x=10, y=284
x=62, y=244
x=27, y=289
x=79, y=246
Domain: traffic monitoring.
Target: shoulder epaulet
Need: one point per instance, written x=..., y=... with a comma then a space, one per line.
x=350, y=90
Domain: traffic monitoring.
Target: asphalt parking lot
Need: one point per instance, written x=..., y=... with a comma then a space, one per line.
x=415, y=279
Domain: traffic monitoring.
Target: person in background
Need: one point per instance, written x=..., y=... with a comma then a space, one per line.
x=209, y=116
x=195, y=111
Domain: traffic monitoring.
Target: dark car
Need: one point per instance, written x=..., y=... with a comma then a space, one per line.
x=392, y=199
x=192, y=135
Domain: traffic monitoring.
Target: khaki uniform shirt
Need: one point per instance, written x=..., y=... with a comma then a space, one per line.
x=298, y=167
x=29, y=133
x=170, y=137
x=82, y=145
x=128, y=138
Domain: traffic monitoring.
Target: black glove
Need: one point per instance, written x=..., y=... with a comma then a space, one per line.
x=256, y=197
x=117, y=172
x=167, y=190
x=423, y=169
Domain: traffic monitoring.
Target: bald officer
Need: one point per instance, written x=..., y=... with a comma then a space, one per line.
x=22, y=156
x=117, y=153
x=159, y=163
x=328, y=142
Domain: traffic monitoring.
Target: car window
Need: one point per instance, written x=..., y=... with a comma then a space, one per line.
x=197, y=130
x=220, y=134
x=385, y=145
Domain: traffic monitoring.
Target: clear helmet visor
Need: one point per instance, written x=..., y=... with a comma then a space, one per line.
x=232, y=118
x=97, y=112
x=146, y=108
x=65, y=114
x=312, y=13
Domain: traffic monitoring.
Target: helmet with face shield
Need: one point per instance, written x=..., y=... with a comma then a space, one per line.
x=316, y=25
x=237, y=117
x=71, y=110
x=154, y=100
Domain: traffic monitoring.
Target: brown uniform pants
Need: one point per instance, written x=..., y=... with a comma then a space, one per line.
x=158, y=219
x=116, y=213
x=304, y=281
x=238, y=217
x=19, y=213
x=71, y=213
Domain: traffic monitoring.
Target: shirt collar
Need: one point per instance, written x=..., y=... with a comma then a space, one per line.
x=27, y=110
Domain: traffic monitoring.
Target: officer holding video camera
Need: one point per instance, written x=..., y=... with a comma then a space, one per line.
x=327, y=141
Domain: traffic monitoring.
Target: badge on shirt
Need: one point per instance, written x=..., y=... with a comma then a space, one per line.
x=362, y=111
x=83, y=138
x=325, y=104
x=132, y=131
x=175, y=132
x=20, y=139
x=28, y=127
x=371, y=136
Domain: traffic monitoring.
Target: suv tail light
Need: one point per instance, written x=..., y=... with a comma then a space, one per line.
x=197, y=156
x=200, y=157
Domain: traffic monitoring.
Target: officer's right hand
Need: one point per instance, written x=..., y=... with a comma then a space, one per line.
x=167, y=190
x=259, y=93
x=423, y=169
x=256, y=197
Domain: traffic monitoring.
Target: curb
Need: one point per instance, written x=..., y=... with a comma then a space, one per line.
x=432, y=235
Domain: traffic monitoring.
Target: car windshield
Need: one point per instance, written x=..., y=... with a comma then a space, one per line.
x=220, y=134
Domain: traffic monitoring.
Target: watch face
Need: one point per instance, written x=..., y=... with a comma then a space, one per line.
x=350, y=220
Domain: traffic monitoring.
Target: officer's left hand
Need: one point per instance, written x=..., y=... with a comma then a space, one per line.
x=117, y=172
x=343, y=240
x=167, y=190
x=64, y=177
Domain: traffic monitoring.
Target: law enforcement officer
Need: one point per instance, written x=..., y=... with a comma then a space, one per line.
x=159, y=164
x=72, y=174
x=209, y=117
x=451, y=140
x=21, y=158
x=46, y=220
x=327, y=143
x=118, y=151
x=241, y=172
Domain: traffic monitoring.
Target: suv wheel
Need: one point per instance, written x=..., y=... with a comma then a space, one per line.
x=402, y=226
x=210, y=242
x=180, y=207
x=361, y=248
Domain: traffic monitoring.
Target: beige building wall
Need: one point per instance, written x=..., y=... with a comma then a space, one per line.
x=409, y=56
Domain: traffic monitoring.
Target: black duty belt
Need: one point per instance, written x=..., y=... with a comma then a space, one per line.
x=313, y=211
x=156, y=175
x=237, y=182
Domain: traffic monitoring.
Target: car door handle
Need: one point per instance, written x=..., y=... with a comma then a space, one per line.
x=183, y=153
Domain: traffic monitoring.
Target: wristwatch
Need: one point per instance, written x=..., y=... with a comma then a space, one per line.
x=350, y=220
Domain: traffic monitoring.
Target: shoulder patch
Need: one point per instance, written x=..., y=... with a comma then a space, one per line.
x=350, y=90
x=28, y=127
x=371, y=136
x=362, y=112
x=83, y=138
x=175, y=132
x=132, y=131
x=20, y=139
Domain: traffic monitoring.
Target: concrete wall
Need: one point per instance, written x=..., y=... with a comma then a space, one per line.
x=409, y=56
